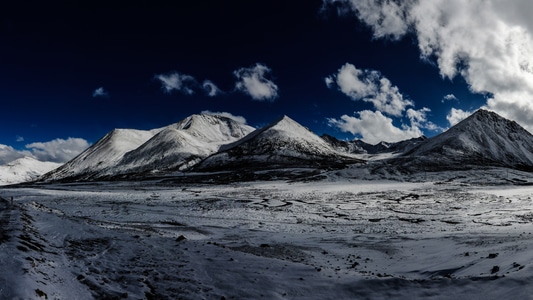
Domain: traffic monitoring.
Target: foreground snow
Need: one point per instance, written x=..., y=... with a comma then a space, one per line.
x=272, y=240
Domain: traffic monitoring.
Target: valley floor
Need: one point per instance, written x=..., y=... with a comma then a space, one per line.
x=344, y=239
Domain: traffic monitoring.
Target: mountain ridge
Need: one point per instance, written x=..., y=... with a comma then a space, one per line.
x=282, y=143
x=482, y=139
x=201, y=144
x=122, y=152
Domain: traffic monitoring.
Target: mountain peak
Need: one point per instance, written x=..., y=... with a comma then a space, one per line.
x=484, y=138
x=488, y=123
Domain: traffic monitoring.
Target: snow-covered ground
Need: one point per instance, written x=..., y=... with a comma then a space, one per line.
x=458, y=238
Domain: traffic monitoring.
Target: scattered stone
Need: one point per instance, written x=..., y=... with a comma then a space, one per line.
x=264, y=246
x=180, y=238
x=493, y=255
x=495, y=269
x=41, y=294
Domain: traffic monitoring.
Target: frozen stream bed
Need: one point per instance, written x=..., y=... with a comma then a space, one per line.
x=271, y=240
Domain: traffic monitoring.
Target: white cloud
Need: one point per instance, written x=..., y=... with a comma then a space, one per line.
x=9, y=154
x=370, y=86
x=253, y=81
x=387, y=17
x=329, y=81
x=488, y=42
x=19, y=138
x=177, y=82
x=210, y=88
x=58, y=150
x=449, y=97
x=457, y=115
x=418, y=119
x=374, y=127
x=100, y=92
x=239, y=119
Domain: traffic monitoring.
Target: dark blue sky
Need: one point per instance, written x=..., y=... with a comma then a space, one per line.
x=54, y=56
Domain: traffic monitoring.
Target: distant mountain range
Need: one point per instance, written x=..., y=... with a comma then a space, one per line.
x=211, y=144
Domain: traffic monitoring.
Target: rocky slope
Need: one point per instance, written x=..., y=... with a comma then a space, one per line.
x=282, y=144
x=482, y=139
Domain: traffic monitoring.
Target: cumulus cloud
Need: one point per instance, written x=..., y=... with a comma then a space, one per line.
x=238, y=119
x=369, y=86
x=253, y=81
x=210, y=88
x=177, y=82
x=457, y=115
x=449, y=97
x=488, y=42
x=100, y=92
x=374, y=127
x=58, y=150
x=19, y=138
x=418, y=119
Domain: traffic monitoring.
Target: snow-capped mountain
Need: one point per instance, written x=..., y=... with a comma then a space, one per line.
x=105, y=153
x=182, y=145
x=283, y=143
x=24, y=169
x=204, y=143
x=482, y=139
x=125, y=151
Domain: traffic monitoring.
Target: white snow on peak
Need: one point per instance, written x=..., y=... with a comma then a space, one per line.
x=282, y=130
x=182, y=144
x=283, y=142
x=213, y=128
x=124, y=151
x=24, y=169
x=107, y=152
x=485, y=136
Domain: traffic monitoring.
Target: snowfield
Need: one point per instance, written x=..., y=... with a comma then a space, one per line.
x=447, y=236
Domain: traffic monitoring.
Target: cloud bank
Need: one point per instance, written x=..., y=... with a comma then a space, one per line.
x=9, y=154
x=253, y=81
x=488, y=42
x=58, y=150
x=376, y=126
